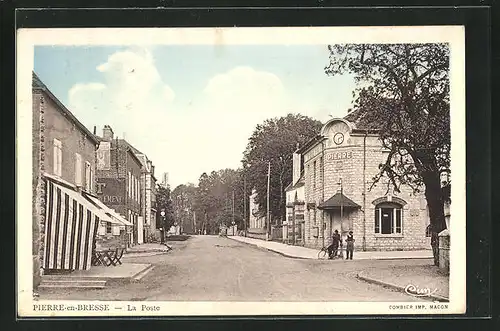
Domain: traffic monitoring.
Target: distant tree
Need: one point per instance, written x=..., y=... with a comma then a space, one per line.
x=275, y=141
x=184, y=201
x=219, y=199
x=164, y=202
x=404, y=89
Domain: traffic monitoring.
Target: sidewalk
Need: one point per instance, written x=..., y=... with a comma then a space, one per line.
x=420, y=280
x=310, y=253
x=146, y=249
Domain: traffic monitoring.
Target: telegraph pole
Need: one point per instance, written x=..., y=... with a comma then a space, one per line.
x=341, y=212
x=268, y=199
x=232, y=223
x=245, y=202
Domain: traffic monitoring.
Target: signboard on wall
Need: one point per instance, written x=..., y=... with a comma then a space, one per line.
x=111, y=191
x=104, y=156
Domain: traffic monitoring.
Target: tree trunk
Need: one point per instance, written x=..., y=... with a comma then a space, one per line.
x=435, y=203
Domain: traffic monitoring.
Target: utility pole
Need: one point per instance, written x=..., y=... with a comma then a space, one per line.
x=194, y=221
x=232, y=223
x=341, y=212
x=245, y=202
x=268, y=199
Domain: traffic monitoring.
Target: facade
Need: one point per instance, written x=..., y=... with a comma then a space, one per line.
x=64, y=165
x=339, y=165
x=294, y=227
x=257, y=223
x=119, y=183
x=148, y=197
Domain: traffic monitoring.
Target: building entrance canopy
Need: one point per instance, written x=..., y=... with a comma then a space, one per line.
x=337, y=201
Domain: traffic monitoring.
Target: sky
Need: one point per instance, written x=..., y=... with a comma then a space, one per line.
x=191, y=108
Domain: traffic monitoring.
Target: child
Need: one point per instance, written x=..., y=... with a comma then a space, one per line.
x=350, y=245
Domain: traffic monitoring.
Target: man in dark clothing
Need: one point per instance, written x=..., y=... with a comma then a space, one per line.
x=334, y=247
x=349, y=245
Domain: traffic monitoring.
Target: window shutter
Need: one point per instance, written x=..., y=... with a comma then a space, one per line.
x=377, y=220
x=398, y=220
x=78, y=169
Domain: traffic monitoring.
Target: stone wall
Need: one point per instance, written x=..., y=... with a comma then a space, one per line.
x=444, y=251
x=38, y=201
x=58, y=126
x=257, y=233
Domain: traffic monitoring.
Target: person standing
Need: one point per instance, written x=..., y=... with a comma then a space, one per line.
x=349, y=245
x=334, y=247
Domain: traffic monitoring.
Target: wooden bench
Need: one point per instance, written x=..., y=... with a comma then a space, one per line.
x=107, y=257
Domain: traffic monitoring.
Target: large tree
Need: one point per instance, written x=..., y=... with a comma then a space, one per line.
x=404, y=90
x=274, y=142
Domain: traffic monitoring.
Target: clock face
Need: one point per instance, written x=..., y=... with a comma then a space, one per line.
x=338, y=138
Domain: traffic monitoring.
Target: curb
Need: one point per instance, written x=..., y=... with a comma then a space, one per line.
x=315, y=258
x=138, y=254
x=273, y=251
x=138, y=276
x=398, y=288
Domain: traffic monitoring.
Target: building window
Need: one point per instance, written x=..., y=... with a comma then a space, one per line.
x=88, y=176
x=108, y=227
x=428, y=231
x=57, y=157
x=129, y=184
x=314, y=174
x=78, y=169
x=388, y=218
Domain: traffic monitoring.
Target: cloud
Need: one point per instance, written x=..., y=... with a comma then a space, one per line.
x=134, y=99
x=245, y=90
x=131, y=93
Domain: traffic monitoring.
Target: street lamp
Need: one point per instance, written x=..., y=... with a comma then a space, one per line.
x=162, y=233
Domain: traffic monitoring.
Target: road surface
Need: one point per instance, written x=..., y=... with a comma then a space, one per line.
x=211, y=268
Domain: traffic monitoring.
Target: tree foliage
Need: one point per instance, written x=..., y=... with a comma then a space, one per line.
x=275, y=141
x=220, y=199
x=404, y=92
x=164, y=203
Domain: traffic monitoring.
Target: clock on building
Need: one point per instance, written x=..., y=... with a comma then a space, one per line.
x=338, y=138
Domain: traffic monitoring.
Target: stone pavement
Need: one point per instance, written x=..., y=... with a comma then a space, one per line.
x=310, y=253
x=426, y=281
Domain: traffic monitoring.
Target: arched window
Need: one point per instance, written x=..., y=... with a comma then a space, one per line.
x=388, y=218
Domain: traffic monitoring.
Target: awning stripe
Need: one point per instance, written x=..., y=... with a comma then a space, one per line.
x=113, y=216
x=48, y=224
x=74, y=222
x=70, y=229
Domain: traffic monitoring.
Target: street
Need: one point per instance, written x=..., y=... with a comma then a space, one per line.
x=212, y=268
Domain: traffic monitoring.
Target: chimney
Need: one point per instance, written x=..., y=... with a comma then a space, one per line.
x=107, y=133
x=95, y=130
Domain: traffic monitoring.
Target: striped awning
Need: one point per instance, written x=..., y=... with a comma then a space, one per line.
x=114, y=216
x=71, y=224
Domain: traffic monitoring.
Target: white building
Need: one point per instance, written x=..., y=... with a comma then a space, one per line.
x=294, y=226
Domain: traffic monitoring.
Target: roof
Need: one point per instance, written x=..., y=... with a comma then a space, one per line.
x=363, y=120
x=337, y=201
x=135, y=150
x=300, y=182
x=37, y=84
x=312, y=142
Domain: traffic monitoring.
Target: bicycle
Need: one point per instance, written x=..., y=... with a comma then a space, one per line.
x=323, y=254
